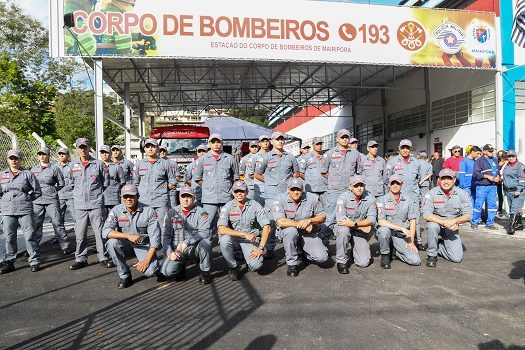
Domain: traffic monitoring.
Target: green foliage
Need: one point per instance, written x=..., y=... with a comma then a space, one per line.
x=257, y=116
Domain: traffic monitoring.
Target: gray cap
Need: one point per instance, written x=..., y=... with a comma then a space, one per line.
x=372, y=143
x=353, y=140
x=164, y=147
x=405, y=142
x=264, y=137
x=356, y=179
x=44, y=150
x=129, y=190
x=202, y=147
x=447, y=172
x=295, y=182
x=151, y=141
x=82, y=142
x=13, y=152
x=276, y=135
x=511, y=152
x=395, y=178
x=63, y=150
x=187, y=190
x=215, y=136
x=105, y=148
x=254, y=143
x=343, y=132
x=306, y=146
x=423, y=154
x=116, y=147
x=239, y=185
x=317, y=140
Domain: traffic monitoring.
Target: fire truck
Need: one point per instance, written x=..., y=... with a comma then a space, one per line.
x=181, y=141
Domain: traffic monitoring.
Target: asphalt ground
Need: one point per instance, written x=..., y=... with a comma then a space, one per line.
x=477, y=304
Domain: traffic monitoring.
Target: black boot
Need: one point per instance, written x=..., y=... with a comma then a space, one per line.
x=510, y=226
x=385, y=261
x=518, y=225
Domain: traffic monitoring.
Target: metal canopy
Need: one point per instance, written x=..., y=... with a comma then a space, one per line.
x=207, y=85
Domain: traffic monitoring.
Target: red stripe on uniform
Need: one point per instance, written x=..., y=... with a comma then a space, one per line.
x=235, y=214
x=289, y=211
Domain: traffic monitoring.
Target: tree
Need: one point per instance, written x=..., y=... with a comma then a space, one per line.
x=253, y=115
x=75, y=117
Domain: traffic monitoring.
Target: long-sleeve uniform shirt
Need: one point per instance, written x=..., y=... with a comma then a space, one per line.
x=89, y=183
x=116, y=180
x=397, y=212
x=410, y=172
x=310, y=165
x=18, y=192
x=143, y=222
x=66, y=192
x=447, y=207
x=485, y=166
x=51, y=180
x=247, y=168
x=188, y=176
x=308, y=207
x=348, y=206
x=374, y=175
x=341, y=166
x=189, y=229
x=466, y=172
x=514, y=177
x=152, y=180
x=127, y=167
x=217, y=177
x=251, y=218
x=276, y=169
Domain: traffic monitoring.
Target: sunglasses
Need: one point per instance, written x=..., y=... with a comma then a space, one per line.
x=455, y=151
x=13, y=158
x=405, y=147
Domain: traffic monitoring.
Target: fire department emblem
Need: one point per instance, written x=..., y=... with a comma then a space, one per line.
x=450, y=37
x=411, y=36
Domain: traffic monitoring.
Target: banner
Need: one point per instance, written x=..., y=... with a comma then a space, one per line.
x=291, y=30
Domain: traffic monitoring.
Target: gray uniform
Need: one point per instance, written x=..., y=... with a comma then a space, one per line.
x=340, y=166
x=374, y=175
x=173, y=193
x=247, y=168
x=65, y=194
x=348, y=206
x=16, y=206
x=294, y=239
x=258, y=185
x=514, y=181
x=399, y=213
x=51, y=180
x=425, y=170
x=142, y=222
x=192, y=229
x=152, y=180
x=116, y=181
x=197, y=189
x=217, y=178
x=410, y=172
x=127, y=167
x=437, y=203
x=89, y=183
x=251, y=219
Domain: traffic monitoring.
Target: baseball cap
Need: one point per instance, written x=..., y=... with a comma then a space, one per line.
x=455, y=147
x=164, y=147
x=215, y=136
x=82, y=142
x=63, y=150
x=187, y=190
x=44, y=150
x=264, y=137
x=151, y=142
x=488, y=147
x=116, y=147
x=13, y=153
x=396, y=178
x=306, y=146
x=129, y=190
x=423, y=154
x=343, y=132
x=511, y=152
x=317, y=140
x=405, y=142
x=105, y=148
x=253, y=143
x=202, y=147
x=353, y=139
x=447, y=172
x=295, y=182
x=356, y=179
x=276, y=135
x=372, y=143
x=239, y=185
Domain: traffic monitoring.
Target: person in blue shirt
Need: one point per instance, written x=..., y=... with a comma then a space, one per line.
x=486, y=178
x=466, y=172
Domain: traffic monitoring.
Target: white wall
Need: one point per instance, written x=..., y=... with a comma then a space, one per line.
x=321, y=126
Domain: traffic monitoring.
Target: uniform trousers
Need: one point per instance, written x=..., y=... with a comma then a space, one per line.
x=119, y=249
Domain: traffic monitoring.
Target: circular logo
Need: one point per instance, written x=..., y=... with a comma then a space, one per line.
x=411, y=35
x=347, y=32
x=450, y=37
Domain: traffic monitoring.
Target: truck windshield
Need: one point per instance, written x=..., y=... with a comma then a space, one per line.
x=183, y=146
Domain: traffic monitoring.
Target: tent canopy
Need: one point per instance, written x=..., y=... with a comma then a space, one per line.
x=234, y=129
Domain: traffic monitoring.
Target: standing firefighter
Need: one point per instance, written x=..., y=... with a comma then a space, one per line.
x=513, y=185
